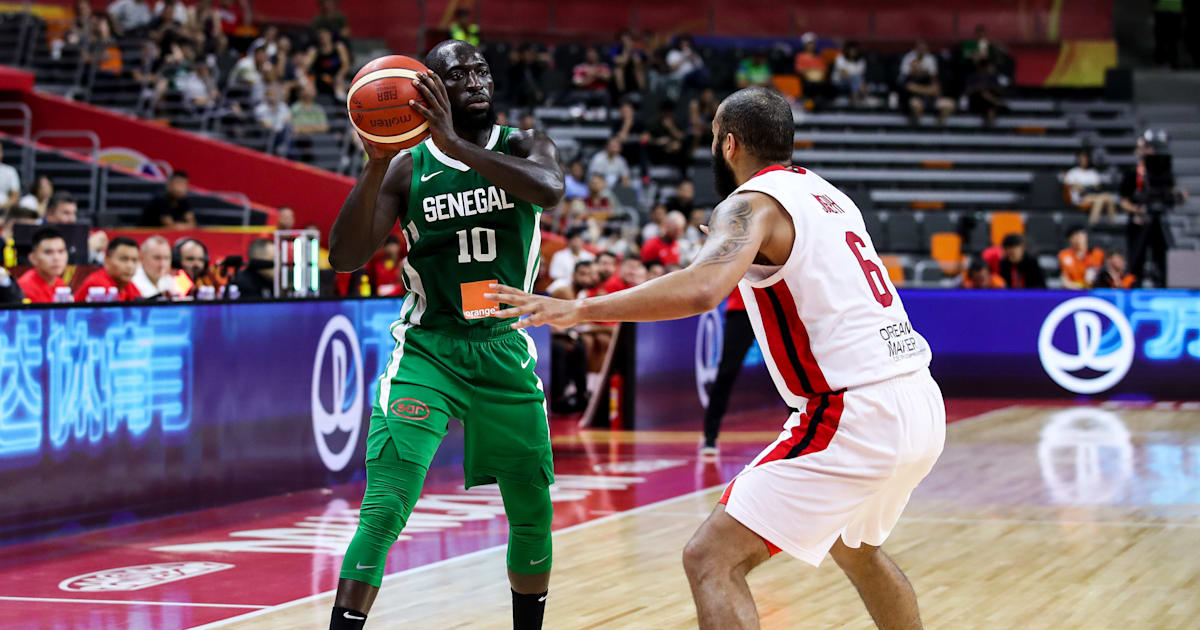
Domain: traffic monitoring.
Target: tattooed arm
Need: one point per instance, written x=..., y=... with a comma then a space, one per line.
x=742, y=228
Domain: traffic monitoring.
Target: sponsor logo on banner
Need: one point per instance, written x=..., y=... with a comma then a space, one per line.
x=1103, y=351
x=133, y=160
x=138, y=577
x=410, y=408
x=709, y=338
x=341, y=412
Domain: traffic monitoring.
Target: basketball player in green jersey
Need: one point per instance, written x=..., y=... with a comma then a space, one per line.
x=469, y=200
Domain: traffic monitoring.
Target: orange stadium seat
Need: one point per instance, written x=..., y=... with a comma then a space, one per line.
x=1005, y=223
x=789, y=85
x=946, y=249
x=894, y=268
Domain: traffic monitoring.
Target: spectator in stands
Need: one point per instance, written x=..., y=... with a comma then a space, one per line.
x=568, y=367
x=685, y=65
x=985, y=92
x=629, y=65
x=664, y=248
x=131, y=18
x=331, y=62
x=615, y=237
x=811, y=66
x=979, y=48
x=562, y=264
x=233, y=15
x=1078, y=263
x=257, y=280
x=526, y=73
x=198, y=87
x=702, y=110
x=652, y=228
x=173, y=12
x=630, y=273
x=38, y=196
x=61, y=209
x=48, y=256
x=79, y=33
x=849, y=75
x=754, y=71
x=696, y=219
x=606, y=268
x=921, y=89
x=120, y=263
x=655, y=270
x=10, y=184
x=600, y=200
x=1018, y=268
x=97, y=245
x=384, y=269
x=275, y=118
x=634, y=138
x=153, y=276
x=668, y=144
x=221, y=57
x=590, y=80
x=583, y=277
x=979, y=276
x=684, y=199
x=248, y=72
x=171, y=209
x=104, y=52
x=462, y=28
x=527, y=121
x=1147, y=232
x=286, y=219
x=330, y=19
x=610, y=164
x=1112, y=275
x=1083, y=184
x=575, y=182
x=308, y=117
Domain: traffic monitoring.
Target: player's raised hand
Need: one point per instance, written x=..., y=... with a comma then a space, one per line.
x=540, y=309
x=435, y=109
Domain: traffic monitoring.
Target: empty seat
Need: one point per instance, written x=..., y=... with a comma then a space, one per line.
x=903, y=233
x=1043, y=231
x=1005, y=223
x=877, y=229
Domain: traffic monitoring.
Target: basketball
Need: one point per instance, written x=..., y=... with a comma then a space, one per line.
x=377, y=102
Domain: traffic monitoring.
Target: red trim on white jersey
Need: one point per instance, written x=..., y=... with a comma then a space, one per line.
x=787, y=341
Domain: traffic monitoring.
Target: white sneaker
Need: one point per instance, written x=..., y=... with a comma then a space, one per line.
x=709, y=452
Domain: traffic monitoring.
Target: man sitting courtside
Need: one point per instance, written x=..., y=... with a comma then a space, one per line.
x=257, y=280
x=48, y=255
x=120, y=263
x=171, y=209
x=153, y=277
x=1018, y=268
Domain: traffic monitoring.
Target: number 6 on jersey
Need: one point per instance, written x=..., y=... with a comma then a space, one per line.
x=484, y=249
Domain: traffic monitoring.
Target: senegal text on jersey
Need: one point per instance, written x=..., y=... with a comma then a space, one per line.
x=465, y=203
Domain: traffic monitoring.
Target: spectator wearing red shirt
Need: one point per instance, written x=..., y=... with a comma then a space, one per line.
x=120, y=263
x=664, y=248
x=979, y=276
x=49, y=259
x=630, y=274
x=385, y=270
x=590, y=80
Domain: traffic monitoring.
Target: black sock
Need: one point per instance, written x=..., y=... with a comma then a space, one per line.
x=528, y=611
x=346, y=619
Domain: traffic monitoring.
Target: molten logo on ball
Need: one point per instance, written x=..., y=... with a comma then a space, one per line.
x=410, y=408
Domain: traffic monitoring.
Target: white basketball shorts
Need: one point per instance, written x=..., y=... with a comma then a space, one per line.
x=845, y=466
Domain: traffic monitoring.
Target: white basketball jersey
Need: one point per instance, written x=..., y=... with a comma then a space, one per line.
x=829, y=318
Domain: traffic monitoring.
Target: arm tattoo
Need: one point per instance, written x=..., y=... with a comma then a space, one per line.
x=730, y=232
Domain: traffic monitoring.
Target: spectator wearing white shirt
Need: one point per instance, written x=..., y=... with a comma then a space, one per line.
x=130, y=16
x=923, y=91
x=10, y=184
x=610, y=165
x=562, y=264
x=248, y=72
x=849, y=73
x=153, y=276
x=172, y=11
x=274, y=116
x=38, y=196
x=685, y=65
x=1083, y=187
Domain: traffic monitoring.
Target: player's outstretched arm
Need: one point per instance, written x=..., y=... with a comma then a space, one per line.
x=739, y=228
x=532, y=173
x=370, y=210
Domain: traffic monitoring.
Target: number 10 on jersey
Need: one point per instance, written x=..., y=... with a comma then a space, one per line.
x=479, y=247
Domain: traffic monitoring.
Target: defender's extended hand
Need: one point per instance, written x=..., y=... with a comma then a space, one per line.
x=436, y=110
x=541, y=310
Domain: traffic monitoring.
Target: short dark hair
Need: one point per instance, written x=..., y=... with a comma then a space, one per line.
x=391, y=240
x=1012, y=240
x=434, y=58
x=583, y=263
x=761, y=120
x=178, y=174
x=58, y=199
x=578, y=230
x=120, y=241
x=609, y=254
x=45, y=234
x=976, y=266
x=1075, y=229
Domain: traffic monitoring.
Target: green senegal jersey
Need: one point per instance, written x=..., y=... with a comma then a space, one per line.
x=463, y=232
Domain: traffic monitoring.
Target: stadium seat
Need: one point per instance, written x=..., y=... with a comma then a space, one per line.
x=1043, y=231
x=946, y=249
x=877, y=229
x=1005, y=223
x=789, y=85
x=903, y=233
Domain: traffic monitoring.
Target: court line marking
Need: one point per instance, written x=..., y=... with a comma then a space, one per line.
x=1046, y=521
x=439, y=563
x=131, y=602
x=428, y=567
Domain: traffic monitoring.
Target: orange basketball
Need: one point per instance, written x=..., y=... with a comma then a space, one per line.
x=378, y=103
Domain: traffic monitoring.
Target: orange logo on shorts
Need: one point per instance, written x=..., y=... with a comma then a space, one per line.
x=410, y=408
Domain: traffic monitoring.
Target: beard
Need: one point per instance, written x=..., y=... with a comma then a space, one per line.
x=470, y=121
x=723, y=178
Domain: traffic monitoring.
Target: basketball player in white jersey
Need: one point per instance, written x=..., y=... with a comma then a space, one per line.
x=840, y=348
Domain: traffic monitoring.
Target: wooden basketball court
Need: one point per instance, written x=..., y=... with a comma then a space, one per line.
x=1035, y=517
